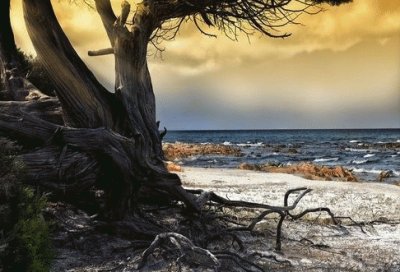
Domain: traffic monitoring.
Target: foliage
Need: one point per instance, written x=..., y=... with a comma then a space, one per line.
x=10, y=168
x=25, y=245
x=30, y=249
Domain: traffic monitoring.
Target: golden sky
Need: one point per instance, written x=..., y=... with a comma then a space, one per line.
x=341, y=69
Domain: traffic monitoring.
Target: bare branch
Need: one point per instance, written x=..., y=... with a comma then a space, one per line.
x=233, y=17
x=101, y=52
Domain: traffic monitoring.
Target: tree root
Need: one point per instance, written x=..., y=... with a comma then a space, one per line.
x=188, y=251
x=283, y=212
x=193, y=250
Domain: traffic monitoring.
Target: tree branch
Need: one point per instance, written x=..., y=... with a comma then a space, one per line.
x=85, y=102
x=234, y=16
x=101, y=52
x=108, y=18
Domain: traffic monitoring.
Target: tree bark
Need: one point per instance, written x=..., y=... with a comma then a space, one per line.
x=8, y=49
x=85, y=102
x=110, y=141
x=9, y=77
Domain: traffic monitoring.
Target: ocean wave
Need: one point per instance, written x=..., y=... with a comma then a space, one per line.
x=205, y=143
x=375, y=171
x=359, y=161
x=356, y=149
x=326, y=159
x=369, y=155
x=370, y=171
x=250, y=144
x=227, y=143
x=354, y=141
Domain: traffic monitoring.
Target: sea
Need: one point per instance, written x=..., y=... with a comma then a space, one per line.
x=366, y=152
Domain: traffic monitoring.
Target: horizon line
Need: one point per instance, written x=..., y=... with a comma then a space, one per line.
x=271, y=129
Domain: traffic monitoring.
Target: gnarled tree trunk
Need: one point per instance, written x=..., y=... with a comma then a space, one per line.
x=8, y=49
x=109, y=140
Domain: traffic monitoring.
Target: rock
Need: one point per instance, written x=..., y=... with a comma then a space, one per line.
x=182, y=150
x=173, y=167
x=307, y=170
x=248, y=166
x=385, y=174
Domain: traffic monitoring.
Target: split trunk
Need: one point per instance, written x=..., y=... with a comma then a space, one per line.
x=106, y=140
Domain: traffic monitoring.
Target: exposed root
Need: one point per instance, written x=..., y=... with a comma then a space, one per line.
x=242, y=262
x=188, y=252
x=282, y=211
x=214, y=225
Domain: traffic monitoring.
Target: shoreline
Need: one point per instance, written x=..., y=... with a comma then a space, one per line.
x=231, y=156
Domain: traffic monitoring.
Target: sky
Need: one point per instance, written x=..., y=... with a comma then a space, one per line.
x=339, y=69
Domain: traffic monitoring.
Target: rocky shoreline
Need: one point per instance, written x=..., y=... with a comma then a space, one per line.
x=306, y=170
x=176, y=152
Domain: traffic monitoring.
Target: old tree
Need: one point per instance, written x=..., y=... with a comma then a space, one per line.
x=87, y=138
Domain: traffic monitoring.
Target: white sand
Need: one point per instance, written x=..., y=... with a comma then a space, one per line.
x=376, y=249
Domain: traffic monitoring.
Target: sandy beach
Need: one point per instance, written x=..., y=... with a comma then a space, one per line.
x=312, y=244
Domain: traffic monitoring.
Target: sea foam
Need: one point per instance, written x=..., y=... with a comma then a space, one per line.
x=326, y=159
x=250, y=144
x=371, y=171
x=356, y=149
x=359, y=161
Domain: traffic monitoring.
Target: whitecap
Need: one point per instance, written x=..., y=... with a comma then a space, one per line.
x=356, y=149
x=227, y=143
x=326, y=159
x=354, y=141
x=369, y=155
x=398, y=141
x=359, y=161
x=362, y=170
x=250, y=145
x=242, y=145
x=205, y=143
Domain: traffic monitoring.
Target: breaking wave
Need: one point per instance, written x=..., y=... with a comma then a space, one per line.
x=326, y=159
x=359, y=161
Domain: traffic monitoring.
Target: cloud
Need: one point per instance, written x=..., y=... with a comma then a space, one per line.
x=340, y=69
